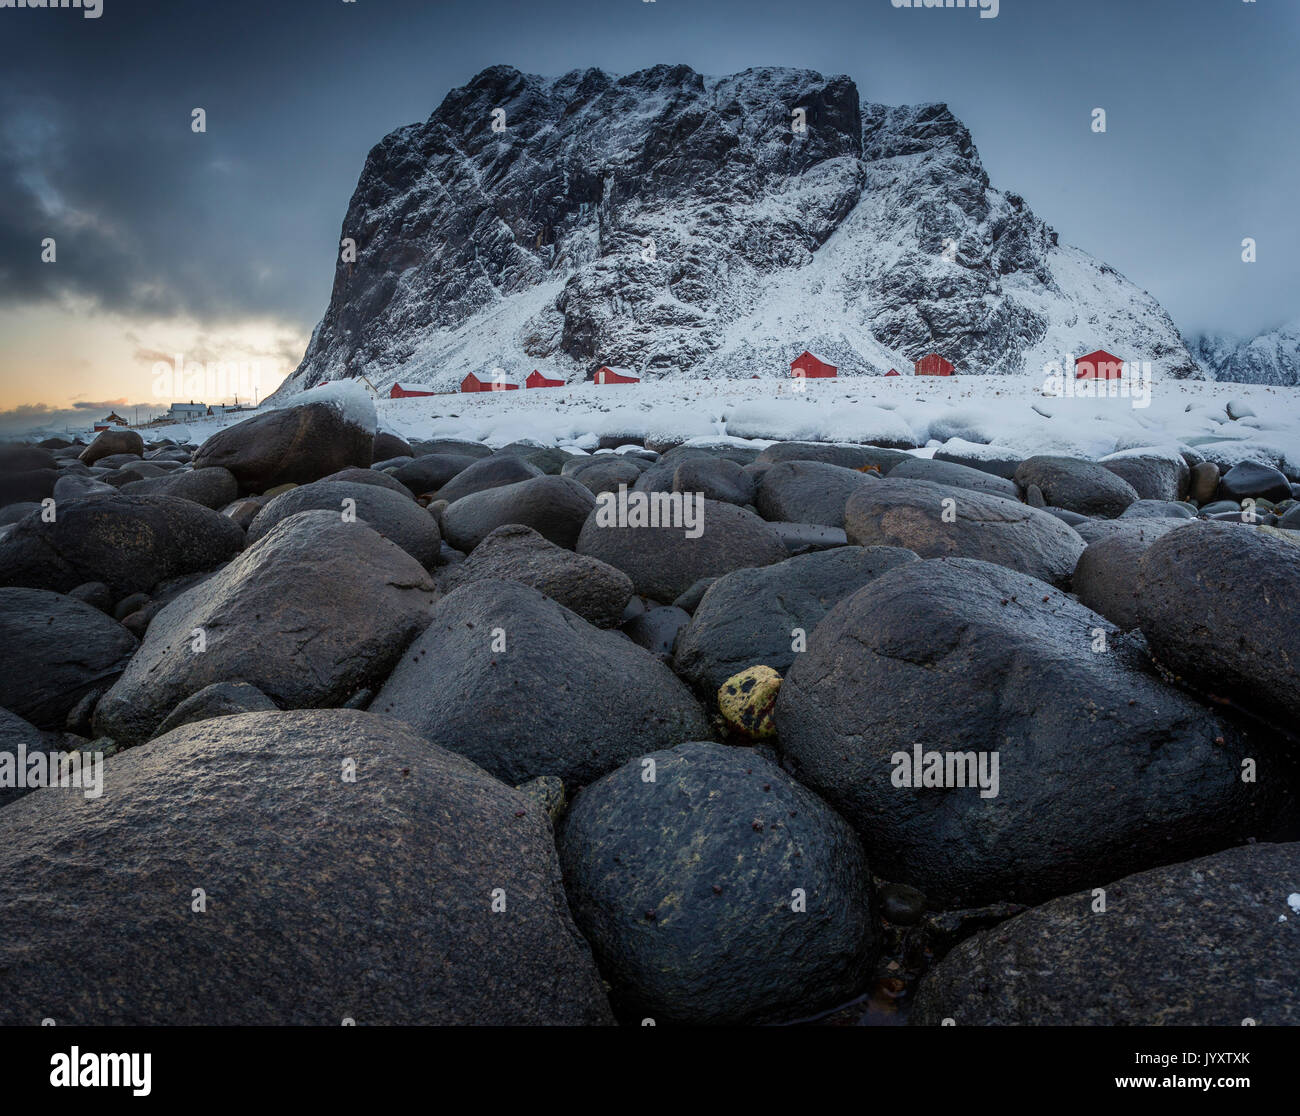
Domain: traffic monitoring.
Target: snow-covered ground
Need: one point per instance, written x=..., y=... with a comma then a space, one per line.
x=1001, y=413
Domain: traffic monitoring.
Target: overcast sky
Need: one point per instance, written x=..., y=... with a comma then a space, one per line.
x=221, y=245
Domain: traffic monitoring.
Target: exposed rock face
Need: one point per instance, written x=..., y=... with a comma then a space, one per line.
x=674, y=223
x=1272, y=357
x=323, y=898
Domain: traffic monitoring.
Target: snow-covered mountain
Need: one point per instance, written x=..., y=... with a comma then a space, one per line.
x=675, y=224
x=1270, y=358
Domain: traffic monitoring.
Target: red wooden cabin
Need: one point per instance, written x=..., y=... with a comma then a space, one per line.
x=1100, y=365
x=606, y=375
x=932, y=364
x=409, y=391
x=537, y=380
x=809, y=367
x=473, y=383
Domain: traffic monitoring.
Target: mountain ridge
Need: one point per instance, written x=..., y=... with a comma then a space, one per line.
x=678, y=224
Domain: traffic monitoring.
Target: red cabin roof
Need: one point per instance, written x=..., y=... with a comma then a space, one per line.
x=810, y=367
x=892, y=372
x=606, y=375
x=1099, y=365
x=473, y=383
x=537, y=380
x=932, y=364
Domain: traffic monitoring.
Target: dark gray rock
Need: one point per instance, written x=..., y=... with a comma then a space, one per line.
x=372, y=476
x=485, y=474
x=14, y=512
x=563, y=698
x=1106, y=578
x=1220, y=606
x=954, y=475
x=911, y=514
x=808, y=492
x=957, y=656
x=656, y=629
x=258, y=812
x=690, y=600
x=718, y=479
x=309, y=614
x=457, y=446
x=803, y=538
x=1204, y=482
x=293, y=445
x=663, y=562
x=18, y=740
x=751, y=617
x=1077, y=485
x=1002, y=465
x=221, y=699
x=836, y=453
x=1157, y=509
x=555, y=507
x=28, y=487
x=593, y=589
x=1253, y=480
x=1153, y=476
x=1207, y=943
x=431, y=472
x=389, y=445
x=75, y=487
x=128, y=542
x=213, y=488
x=20, y=457
x=395, y=516
x=689, y=887
x=110, y=443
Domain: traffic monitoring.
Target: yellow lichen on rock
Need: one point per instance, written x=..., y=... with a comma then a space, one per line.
x=746, y=701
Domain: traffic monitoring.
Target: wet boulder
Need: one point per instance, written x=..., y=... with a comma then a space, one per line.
x=720, y=892
x=808, y=492
x=110, y=443
x=555, y=507
x=311, y=613
x=524, y=687
x=128, y=542
x=1076, y=485
x=415, y=890
x=993, y=740
x=939, y=521
x=1206, y=943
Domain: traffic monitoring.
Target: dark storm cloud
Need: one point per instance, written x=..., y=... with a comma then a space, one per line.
x=96, y=148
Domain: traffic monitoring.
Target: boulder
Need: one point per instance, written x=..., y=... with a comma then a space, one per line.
x=755, y=616
x=998, y=460
x=53, y=651
x=213, y=488
x=18, y=740
x=657, y=629
x=1220, y=606
x=663, y=562
x=808, y=492
x=1157, y=509
x=1207, y=943
x=606, y=472
x=395, y=516
x=221, y=699
x=563, y=698
x=722, y=892
x=28, y=487
x=1063, y=760
x=718, y=479
x=1152, y=474
x=485, y=474
x=109, y=443
x=311, y=613
x=431, y=472
x=593, y=589
x=233, y=874
x=128, y=542
x=19, y=457
x=846, y=456
x=1251, y=480
x=938, y=521
x=389, y=445
x=75, y=487
x=955, y=476
x=293, y=445
x=555, y=507
x=456, y=446
x=1106, y=578
x=1077, y=485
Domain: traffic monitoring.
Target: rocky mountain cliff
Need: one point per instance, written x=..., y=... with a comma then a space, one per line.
x=675, y=224
x=1271, y=358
